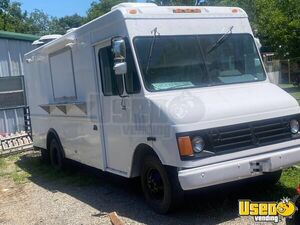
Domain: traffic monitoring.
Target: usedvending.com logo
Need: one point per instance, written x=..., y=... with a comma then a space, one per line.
x=267, y=211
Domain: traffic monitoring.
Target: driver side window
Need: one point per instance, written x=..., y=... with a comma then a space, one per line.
x=110, y=81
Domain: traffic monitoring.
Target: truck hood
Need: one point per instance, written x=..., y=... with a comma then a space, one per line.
x=201, y=108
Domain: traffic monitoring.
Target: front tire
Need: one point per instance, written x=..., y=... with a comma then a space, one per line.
x=56, y=155
x=160, y=185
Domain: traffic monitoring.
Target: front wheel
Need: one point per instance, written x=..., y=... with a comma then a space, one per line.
x=160, y=185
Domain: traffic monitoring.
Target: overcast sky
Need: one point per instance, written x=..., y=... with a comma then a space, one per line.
x=57, y=8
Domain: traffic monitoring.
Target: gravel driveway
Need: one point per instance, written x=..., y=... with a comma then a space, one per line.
x=41, y=200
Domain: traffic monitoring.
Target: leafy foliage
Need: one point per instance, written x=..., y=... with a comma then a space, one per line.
x=61, y=25
x=99, y=8
x=278, y=22
x=13, y=19
x=38, y=22
x=11, y=16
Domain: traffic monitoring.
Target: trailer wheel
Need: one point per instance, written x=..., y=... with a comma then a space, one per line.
x=160, y=185
x=56, y=155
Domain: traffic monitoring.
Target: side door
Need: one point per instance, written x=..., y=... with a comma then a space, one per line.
x=116, y=112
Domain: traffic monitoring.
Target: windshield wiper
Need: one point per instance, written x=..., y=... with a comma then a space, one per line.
x=155, y=33
x=220, y=41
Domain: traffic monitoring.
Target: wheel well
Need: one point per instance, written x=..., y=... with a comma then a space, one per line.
x=52, y=134
x=140, y=153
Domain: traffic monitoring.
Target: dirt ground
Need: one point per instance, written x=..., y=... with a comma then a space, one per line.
x=73, y=199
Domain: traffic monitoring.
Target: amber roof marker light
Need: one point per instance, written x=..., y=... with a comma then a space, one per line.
x=132, y=11
x=235, y=10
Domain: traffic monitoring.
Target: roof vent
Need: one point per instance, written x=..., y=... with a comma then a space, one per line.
x=46, y=39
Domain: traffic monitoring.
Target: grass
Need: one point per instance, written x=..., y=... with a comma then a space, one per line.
x=291, y=89
x=9, y=169
x=26, y=166
x=2, y=163
x=291, y=177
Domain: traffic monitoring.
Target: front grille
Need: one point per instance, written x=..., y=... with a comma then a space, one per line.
x=246, y=136
x=249, y=135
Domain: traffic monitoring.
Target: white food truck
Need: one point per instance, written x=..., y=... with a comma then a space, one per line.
x=176, y=95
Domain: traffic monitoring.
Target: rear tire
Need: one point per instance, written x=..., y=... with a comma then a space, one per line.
x=160, y=185
x=56, y=155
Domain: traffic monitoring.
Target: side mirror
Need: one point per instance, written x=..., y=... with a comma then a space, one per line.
x=119, y=49
x=120, y=68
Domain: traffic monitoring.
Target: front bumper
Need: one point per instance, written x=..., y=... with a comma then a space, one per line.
x=238, y=169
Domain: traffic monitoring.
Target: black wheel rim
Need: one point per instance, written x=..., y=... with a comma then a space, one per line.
x=154, y=184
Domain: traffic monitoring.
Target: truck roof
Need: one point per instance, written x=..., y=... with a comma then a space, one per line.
x=150, y=11
x=131, y=10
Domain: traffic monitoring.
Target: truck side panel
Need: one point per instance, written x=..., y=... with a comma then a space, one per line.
x=74, y=125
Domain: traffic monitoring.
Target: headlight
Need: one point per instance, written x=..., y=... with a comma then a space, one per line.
x=198, y=144
x=294, y=125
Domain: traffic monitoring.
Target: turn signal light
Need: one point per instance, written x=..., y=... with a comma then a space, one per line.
x=186, y=10
x=235, y=11
x=185, y=146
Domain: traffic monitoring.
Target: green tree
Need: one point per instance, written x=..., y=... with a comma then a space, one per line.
x=278, y=23
x=38, y=23
x=99, y=8
x=61, y=25
x=11, y=16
